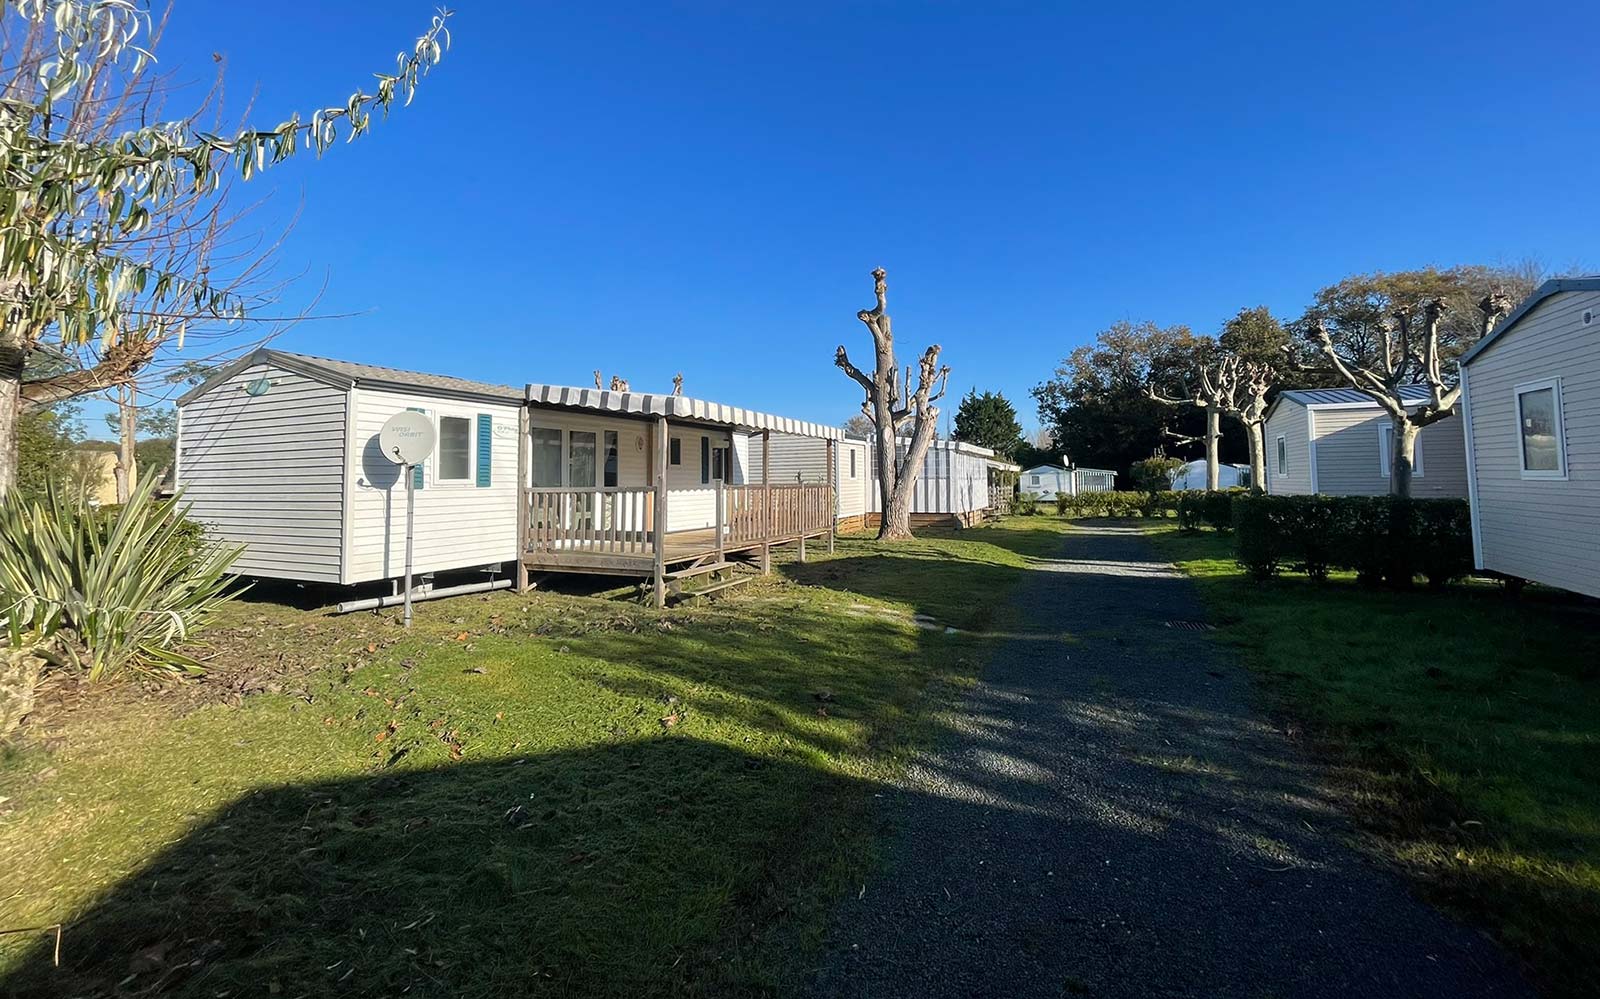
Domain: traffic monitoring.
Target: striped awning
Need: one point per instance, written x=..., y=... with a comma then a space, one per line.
x=674, y=407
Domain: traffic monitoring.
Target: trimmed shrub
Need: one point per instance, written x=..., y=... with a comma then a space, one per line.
x=1027, y=504
x=1382, y=539
x=1154, y=475
x=1198, y=508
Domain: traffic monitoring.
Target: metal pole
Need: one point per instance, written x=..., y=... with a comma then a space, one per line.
x=411, y=505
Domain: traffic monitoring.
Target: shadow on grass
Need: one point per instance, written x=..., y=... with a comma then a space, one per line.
x=623, y=869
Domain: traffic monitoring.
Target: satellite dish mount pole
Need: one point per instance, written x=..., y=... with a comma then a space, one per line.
x=411, y=506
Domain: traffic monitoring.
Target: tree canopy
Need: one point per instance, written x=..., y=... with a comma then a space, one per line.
x=1356, y=311
x=989, y=420
x=113, y=205
x=1098, y=407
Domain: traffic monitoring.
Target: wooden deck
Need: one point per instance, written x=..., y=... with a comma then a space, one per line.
x=613, y=530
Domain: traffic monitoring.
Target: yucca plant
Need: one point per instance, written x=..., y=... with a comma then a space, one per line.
x=107, y=592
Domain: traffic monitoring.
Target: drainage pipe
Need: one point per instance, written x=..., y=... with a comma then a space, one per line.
x=374, y=603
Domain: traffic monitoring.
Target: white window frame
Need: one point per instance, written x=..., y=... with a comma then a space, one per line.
x=1281, y=453
x=1386, y=451
x=471, y=477
x=1559, y=473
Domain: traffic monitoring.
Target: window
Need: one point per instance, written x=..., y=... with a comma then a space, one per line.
x=611, y=458
x=580, y=459
x=852, y=464
x=1283, y=455
x=546, y=458
x=721, y=464
x=1033, y=480
x=675, y=452
x=455, y=449
x=705, y=460
x=1543, y=436
x=1386, y=452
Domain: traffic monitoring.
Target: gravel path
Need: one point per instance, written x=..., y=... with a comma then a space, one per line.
x=1108, y=817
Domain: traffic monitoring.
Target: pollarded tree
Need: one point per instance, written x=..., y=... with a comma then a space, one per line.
x=1408, y=353
x=893, y=407
x=107, y=211
x=1198, y=384
x=989, y=420
x=1244, y=387
x=1384, y=332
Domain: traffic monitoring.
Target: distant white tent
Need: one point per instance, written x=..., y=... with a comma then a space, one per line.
x=1193, y=476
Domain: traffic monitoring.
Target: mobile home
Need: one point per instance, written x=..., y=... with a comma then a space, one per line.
x=960, y=485
x=1531, y=406
x=1337, y=442
x=279, y=452
x=1045, y=482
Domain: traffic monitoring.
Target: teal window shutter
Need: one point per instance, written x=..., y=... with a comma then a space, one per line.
x=485, y=448
x=416, y=470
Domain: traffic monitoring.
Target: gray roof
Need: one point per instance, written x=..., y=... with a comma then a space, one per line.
x=1544, y=291
x=350, y=372
x=1351, y=397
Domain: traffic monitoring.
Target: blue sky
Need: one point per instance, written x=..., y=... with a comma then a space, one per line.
x=704, y=187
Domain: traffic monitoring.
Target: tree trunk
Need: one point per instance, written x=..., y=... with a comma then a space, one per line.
x=896, y=523
x=1213, y=431
x=1256, y=433
x=12, y=357
x=1404, y=445
x=127, y=470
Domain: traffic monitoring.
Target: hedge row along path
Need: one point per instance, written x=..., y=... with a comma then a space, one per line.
x=1107, y=816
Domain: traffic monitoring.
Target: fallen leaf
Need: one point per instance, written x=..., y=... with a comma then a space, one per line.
x=671, y=720
x=461, y=637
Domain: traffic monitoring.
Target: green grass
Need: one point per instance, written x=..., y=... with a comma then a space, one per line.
x=526, y=794
x=1468, y=724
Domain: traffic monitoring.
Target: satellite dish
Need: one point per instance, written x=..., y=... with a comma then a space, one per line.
x=406, y=438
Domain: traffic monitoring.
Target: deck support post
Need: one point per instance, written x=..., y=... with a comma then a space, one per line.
x=523, y=498
x=833, y=491
x=766, y=502
x=660, y=546
x=721, y=520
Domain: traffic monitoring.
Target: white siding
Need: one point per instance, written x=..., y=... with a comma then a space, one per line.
x=951, y=481
x=267, y=471
x=1050, y=481
x=458, y=524
x=691, y=502
x=1348, y=462
x=805, y=459
x=1289, y=421
x=1547, y=530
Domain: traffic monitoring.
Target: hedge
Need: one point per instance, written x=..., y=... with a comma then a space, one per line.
x=1119, y=503
x=1380, y=538
x=1198, y=508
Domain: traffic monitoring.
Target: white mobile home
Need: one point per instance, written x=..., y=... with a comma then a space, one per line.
x=279, y=452
x=960, y=485
x=1192, y=475
x=1046, y=482
x=1337, y=442
x=1531, y=405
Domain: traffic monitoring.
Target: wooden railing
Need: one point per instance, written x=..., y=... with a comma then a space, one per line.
x=621, y=520
x=616, y=521
x=757, y=513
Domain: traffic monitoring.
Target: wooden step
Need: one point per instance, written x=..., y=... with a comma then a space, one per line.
x=698, y=570
x=714, y=587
